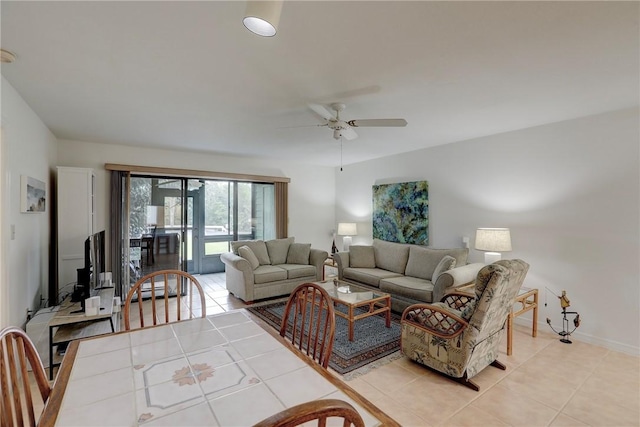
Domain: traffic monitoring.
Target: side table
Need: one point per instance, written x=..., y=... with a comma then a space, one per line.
x=528, y=298
x=68, y=325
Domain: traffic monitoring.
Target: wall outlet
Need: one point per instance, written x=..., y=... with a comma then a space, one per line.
x=465, y=241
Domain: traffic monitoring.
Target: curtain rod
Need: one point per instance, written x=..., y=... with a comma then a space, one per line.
x=188, y=173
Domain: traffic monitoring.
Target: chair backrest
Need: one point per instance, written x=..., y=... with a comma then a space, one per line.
x=16, y=350
x=310, y=315
x=155, y=294
x=496, y=288
x=318, y=410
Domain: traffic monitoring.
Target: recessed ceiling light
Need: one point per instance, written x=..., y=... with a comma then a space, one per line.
x=6, y=56
x=262, y=17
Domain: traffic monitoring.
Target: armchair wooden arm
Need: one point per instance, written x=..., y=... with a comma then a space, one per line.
x=435, y=320
x=458, y=300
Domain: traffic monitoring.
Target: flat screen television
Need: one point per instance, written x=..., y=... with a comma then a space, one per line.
x=88, y=281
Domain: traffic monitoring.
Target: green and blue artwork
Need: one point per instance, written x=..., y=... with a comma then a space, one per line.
x=401, y=212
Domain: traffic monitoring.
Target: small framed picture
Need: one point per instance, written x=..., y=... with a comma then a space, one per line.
x=33, y=195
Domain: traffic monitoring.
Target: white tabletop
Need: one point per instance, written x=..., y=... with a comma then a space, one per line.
x=223, y=370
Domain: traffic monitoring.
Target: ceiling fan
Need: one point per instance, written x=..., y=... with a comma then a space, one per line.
x=343, y=128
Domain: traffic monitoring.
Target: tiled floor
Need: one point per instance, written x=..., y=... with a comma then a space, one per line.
x=547, y=383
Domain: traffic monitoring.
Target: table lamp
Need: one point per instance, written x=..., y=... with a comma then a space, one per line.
x=347, y=229
x=493, y=241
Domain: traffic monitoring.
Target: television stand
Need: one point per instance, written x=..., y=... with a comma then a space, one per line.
x=69, y=324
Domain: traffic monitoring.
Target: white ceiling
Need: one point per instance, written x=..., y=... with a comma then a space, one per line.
x=189, y=75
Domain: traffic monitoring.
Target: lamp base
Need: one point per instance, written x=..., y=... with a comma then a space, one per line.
x=346, y=242
x=491, y=257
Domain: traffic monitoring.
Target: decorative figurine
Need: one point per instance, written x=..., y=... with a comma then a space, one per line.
x=564, y=304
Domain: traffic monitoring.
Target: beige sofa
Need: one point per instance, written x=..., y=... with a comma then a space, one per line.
x=257, y=269
x=410, y=273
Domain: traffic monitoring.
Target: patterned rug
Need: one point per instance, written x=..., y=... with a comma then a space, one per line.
x=373, y=341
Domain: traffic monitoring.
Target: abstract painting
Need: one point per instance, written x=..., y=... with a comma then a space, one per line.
x=401, y=212
x=33, y=195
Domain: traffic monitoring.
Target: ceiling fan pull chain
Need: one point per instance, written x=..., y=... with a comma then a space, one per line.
x=340, y=153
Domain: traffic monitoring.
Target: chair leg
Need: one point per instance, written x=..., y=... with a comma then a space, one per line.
x=499, y=365
x=466, y=382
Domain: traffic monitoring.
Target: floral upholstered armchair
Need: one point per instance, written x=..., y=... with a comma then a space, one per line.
x=460, y=336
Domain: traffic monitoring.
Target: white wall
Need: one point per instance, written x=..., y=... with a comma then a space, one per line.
x=570, y=193
x=28, y=148
x=311, y=191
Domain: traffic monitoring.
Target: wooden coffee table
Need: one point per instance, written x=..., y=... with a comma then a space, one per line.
x=354, y=297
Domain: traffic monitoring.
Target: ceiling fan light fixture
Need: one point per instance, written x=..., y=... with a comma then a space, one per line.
x=262, y=17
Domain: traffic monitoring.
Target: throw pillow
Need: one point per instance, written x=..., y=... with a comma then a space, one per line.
x=246, y=253
x=278, y=250
x=258, y=247
x=299, y=253
x=362, y=257
x=446, y=263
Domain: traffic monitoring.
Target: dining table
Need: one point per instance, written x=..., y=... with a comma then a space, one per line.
x=226, y=369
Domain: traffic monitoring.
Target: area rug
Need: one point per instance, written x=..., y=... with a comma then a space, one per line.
x=374, y=344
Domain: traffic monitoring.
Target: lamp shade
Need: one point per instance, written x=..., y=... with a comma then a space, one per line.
x=493, y=239
x=155, y=215
x=262, y=17
x=347, y=229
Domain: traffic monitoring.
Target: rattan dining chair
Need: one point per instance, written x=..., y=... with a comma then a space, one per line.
x=18, y=404
x=310, y=315
x=318, y=410
x=161, y=298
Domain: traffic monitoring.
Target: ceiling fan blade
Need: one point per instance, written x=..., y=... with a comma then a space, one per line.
x=321, y=111
x=378, y=123
x=348, y=134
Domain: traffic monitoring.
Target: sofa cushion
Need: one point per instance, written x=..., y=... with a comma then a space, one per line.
x=362, y=257
x=296, y=271
x=258, y=247
x=391, y=256
x=370, y=276
x=268, y=273
x=410, y=287
x=299, y=253
x=246, y=253
x=446, y=263
x=278, y=250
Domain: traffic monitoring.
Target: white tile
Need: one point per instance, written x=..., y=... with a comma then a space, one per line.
x=191, y=326
x=241, y=331
x=201, y=340
x=106, y=344
x=166, y=398
x=216, y=356
x=228, y=319
x=274, y=363
x=100, y=363
x=256, y=345
x=300, y=386
x=117, y=411
x=98, y=387
x=160, y=371
x=153, y=351
x=233, y=409
x=224, y=380
x=145, y=336
x=198, y=415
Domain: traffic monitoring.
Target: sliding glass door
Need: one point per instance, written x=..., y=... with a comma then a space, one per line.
x=183, y=223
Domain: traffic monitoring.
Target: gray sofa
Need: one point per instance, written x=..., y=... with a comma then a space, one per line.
x=410, y=273
x=257, y=269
